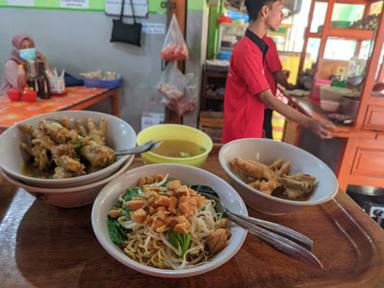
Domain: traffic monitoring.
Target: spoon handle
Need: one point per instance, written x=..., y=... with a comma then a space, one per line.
x=279, y=242
x=139, y=149
x=280, y=229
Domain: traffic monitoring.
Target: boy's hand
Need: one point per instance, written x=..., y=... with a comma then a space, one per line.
x=322, y=128
x=290, y=86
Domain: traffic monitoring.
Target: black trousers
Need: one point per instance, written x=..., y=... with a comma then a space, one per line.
x=268, y=123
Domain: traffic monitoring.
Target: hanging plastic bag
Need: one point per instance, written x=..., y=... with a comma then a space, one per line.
x=178, y=92
x=174, y=47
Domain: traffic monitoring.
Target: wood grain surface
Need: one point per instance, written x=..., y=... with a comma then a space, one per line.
x=46, y=246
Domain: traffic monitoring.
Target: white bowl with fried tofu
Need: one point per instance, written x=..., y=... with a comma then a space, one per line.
x=79, y=154
x=276, y=178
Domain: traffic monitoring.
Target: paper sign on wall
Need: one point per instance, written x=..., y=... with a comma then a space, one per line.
x=153, y=28
x=77, y=4
x=113, y=7
x=21, y=2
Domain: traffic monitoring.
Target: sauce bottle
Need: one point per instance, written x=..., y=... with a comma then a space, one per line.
x=21, y=77
x=31, y=75
x=42, y=82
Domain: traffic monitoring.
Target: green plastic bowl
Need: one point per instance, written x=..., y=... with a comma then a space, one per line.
x=175, y=132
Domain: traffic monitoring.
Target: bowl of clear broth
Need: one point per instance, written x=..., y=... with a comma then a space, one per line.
x=179, y=144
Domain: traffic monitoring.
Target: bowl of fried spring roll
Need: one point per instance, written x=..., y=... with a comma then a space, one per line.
x=65, y=149
x=276, y=178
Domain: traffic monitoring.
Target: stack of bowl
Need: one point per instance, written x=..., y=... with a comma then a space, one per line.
x=330, y=97
x=70, y=192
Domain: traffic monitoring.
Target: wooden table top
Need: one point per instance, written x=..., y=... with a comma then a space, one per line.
x=12, y=112
x=46, y=246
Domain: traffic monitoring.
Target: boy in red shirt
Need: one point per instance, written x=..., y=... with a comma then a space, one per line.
x=247, y=89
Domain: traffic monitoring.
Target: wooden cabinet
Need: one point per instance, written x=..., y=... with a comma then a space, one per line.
x=211, y=117
x=362, y=159
x=375, y=118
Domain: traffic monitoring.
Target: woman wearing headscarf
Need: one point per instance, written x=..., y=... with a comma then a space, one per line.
x=23, y=50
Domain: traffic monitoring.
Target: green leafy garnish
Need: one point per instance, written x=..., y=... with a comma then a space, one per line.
x=117, y=233
x=166, y=182
x=125, y=211
x=131, y=192
x=180, y=241
x=78, y=145
x=204, y=189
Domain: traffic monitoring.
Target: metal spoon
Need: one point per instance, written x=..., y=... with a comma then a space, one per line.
x=139, y=149
x=280, y=237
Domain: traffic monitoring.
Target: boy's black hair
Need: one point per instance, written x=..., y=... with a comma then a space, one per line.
x=254, y=7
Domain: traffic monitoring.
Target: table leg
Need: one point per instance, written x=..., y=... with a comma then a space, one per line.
x=115, y=103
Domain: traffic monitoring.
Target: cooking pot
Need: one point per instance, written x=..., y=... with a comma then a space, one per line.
x=349, y=105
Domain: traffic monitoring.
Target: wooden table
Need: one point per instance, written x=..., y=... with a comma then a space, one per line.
x=76, y=98
x=45, y=246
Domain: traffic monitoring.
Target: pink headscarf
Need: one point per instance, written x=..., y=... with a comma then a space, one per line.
x=16, y=42
x=10, y=71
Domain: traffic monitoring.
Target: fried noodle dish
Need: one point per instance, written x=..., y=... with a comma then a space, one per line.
x=274, y=179
x=59, y=150
x=164, y=224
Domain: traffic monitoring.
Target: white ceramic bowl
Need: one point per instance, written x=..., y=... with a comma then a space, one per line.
x=329, y=106
x=266, y=151
x=187, y=174
x=69, y=197
x=120, y=135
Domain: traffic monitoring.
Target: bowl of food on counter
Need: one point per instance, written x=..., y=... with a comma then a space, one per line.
x=276, y=178
x=160, y=209
x=179, y=144
x=100, y=79
x=65, y=149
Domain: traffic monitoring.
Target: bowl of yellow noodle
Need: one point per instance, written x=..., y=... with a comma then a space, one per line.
x=153, y=219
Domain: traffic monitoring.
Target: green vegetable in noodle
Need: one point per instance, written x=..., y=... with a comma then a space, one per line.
x=209, y=190
x=117, y=233
x=128, y=196
x=131, y=193
x=126, y=211
x=166, y=182
x=180, y=241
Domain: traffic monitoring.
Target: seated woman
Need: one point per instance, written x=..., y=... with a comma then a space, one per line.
x=23, y=50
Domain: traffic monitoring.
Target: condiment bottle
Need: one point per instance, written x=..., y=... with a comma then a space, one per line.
x=20, y=77
x=42, y=82
x=31, y=75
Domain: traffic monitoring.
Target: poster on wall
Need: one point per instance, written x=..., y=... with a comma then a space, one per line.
x=113, y=7
x=74, y=4
x=21, y=2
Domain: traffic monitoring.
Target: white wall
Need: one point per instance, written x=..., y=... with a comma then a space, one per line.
x=79, y=41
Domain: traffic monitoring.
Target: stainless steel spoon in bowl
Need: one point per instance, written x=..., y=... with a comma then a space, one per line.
x=139, y=149
x=282, y=238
